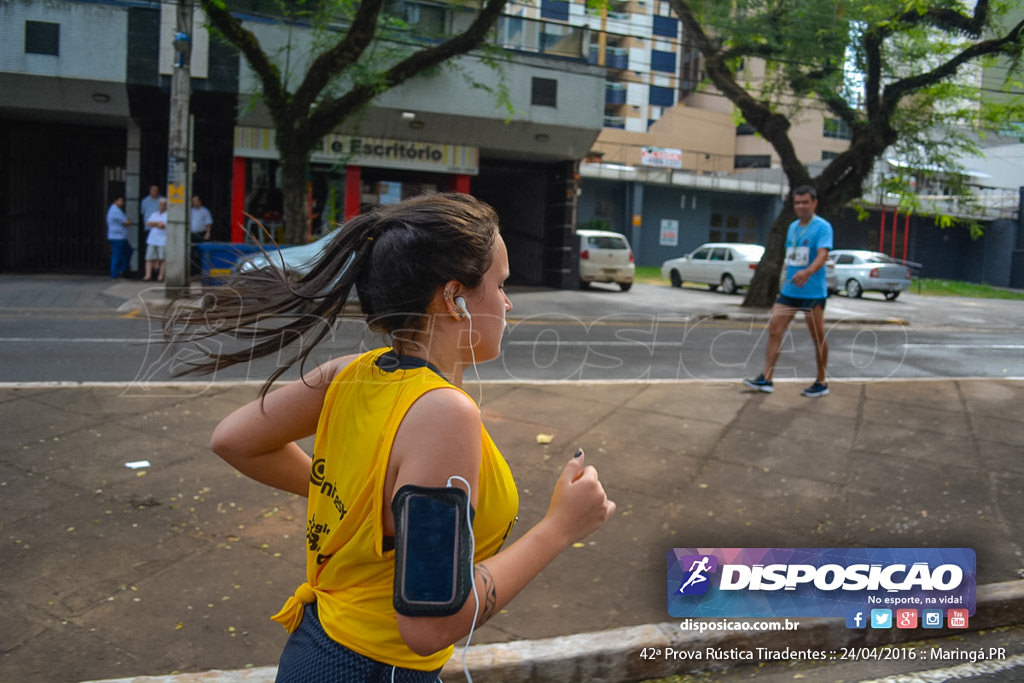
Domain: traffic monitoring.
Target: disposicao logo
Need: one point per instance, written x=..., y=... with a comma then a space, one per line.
x=696, y=581
x=817, y=582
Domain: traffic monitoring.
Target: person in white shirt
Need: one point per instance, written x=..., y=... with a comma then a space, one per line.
x=156, y=242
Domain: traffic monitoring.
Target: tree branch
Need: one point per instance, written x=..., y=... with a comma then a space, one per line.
x=774, y=127
x=950, y=20
x=270, y=76
x=329, y=112
x=342, y=55
x=896, y=91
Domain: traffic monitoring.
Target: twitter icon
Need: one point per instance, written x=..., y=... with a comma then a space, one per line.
x=881, y=618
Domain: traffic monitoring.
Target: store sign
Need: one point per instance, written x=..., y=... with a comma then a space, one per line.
x=355, y=150
x=661, y=157
x=669, y=236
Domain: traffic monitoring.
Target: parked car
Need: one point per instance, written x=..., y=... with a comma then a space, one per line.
x=831, y=281
x=728, y=266
x=858, y=271
x=605, y=257
x=297, y=260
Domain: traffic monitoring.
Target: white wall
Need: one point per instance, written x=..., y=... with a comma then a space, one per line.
x=93, y=40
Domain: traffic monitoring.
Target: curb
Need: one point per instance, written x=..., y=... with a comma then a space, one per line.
x=616, y=655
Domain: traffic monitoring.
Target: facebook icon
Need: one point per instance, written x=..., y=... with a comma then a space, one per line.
x=856, y=619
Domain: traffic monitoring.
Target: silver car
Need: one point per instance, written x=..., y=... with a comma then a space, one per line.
x=297, y=260
x=857, y=271
x=724, y=265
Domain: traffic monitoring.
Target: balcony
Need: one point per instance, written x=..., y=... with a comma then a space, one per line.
x=541, y=37
x=423, y=21
x=615, y=93
x=614, y=57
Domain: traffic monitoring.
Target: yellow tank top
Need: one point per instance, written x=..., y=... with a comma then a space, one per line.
x=348, y=571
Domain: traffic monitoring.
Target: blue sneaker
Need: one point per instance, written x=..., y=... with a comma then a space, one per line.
x=816, y=390
x=761, y=384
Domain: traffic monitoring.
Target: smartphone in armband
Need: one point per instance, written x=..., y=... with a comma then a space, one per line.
x=433, y=562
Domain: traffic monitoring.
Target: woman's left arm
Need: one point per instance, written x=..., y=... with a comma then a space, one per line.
x=259, y=439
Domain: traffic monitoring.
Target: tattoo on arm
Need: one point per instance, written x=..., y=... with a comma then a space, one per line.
x=485, y=584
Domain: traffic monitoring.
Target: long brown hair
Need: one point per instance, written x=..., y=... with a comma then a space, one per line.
x=396, y=257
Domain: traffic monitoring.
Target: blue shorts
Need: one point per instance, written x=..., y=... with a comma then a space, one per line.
x=800, y=304
x=312, y=655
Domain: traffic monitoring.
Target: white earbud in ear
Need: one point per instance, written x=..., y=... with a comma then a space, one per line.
x=460, y=303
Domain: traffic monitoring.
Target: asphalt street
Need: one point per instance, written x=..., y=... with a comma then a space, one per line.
x=650, y=333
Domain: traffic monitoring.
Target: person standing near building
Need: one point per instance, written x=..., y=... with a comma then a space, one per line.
x=200, y=225
x=156, y=242
x=808, y=242
x=201, y=221
x=117, y=235
x=150, y=203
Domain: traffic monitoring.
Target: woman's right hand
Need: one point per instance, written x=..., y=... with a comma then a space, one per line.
x=579, y=504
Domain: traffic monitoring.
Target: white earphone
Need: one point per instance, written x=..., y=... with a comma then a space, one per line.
x=460, y=303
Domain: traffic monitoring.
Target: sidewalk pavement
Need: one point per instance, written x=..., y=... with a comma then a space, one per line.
x=130, y=552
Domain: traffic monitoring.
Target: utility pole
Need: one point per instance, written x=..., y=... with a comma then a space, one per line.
x=178, y=158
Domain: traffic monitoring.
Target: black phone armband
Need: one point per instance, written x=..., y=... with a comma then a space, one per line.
x=433, y=550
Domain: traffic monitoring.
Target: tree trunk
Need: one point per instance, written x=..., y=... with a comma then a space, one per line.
x=764, y=287
x=294, y=166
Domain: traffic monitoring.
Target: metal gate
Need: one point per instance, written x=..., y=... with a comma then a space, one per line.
x=60, y=181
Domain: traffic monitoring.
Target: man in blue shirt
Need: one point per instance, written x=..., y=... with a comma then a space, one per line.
x=117, y=235
x=808, y=242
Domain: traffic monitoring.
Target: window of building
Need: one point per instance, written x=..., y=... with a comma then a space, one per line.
x=663, y=61
x=554, y=9
x=745, y=129
x=544, y=92
x=665, y=26
x=661, y=97
x=837, y=128
x=732, y=228
x=42, y=38
x=753, y=161
x=827, y=155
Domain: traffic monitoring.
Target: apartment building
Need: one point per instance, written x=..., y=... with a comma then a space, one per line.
x=673, y=165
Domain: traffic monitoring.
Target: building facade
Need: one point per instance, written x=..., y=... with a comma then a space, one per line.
x=84, y=98
x=602, y=125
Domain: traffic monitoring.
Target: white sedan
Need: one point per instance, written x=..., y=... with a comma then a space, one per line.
x=724, y=265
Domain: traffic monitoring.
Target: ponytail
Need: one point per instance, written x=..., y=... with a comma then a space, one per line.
x=396, y=257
